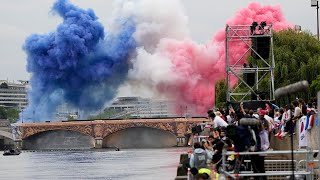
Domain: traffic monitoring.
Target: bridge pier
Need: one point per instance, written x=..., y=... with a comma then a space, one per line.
x=98, y=143
x=181, y=141
x=18, y=144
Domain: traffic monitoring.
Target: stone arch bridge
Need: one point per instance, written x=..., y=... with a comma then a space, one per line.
x=98, y=130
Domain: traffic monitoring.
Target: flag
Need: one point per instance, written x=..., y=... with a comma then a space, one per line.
x=275, y=106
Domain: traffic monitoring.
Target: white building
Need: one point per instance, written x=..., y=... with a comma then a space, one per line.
x=138, y=107
x=14, y=95
x=64, y=111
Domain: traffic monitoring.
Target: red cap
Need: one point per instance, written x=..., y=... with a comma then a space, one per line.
x=262, y=112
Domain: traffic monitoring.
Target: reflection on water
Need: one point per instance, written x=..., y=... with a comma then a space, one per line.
x=131, y=164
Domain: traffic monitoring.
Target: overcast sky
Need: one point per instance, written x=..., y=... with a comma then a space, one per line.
x=20, y=18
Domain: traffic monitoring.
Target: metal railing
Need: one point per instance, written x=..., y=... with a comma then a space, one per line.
x=199, y=138
x=274, y=165
x=303, y=163
x=308, y=171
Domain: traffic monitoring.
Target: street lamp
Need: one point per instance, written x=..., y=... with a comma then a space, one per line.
x=22, y=116
x=315, y=3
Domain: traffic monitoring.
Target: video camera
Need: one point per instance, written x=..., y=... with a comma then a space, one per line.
x=243, y=135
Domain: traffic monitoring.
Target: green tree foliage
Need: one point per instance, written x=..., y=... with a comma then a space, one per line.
x=220, y=94
x=70, y=118
x=297, y=58
x=105, y=114
x=316, y=84
x=3, y=113
x=11, y=114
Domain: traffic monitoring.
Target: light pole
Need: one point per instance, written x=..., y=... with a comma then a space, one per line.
x=315, y=3
x=22, y=116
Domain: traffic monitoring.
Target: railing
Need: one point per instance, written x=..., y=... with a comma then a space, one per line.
x=276, y=168
x=199, y=138
x=308, y=171
x=274, y=165
x=303, y=163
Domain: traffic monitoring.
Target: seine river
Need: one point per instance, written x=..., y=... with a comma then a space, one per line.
x=135, y=164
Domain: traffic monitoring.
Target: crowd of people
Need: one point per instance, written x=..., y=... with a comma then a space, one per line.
x=234, y=130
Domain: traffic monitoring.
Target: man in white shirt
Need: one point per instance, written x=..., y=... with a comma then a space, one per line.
x=256, y=114
x=297, y=111
x=217, y=121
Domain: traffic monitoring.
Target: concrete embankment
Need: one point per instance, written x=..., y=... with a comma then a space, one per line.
x=285, y=142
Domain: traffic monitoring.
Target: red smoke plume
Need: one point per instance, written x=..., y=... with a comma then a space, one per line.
x=200, y=67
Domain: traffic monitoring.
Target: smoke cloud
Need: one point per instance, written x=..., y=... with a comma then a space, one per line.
x=78, y=63
x=147, y=46
x=192, y=69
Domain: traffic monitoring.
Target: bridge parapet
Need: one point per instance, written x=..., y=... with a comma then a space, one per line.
x=99, y=129
x=103, y=128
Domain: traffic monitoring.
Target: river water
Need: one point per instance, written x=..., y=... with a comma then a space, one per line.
x=128, y=164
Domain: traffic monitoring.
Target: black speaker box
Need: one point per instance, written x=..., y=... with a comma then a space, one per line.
x=249, y=78
x=262, y=46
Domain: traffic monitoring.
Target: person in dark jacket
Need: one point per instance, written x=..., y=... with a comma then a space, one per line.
x=217, y=157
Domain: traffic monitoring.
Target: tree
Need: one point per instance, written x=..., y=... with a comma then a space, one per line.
x=3, y=113
x=12, y=115
x=297, y=57
x=106, y=114
x=316, y=84
x=220, y=94
x=71, y=118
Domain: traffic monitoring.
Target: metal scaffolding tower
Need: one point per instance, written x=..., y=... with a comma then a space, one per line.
x=244, y=35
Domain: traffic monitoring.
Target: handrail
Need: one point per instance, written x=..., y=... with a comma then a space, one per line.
x=270, y=152
x=299, y=163
x=307, y=152
x=270, y=173
x=199, y=138
x=271, y=160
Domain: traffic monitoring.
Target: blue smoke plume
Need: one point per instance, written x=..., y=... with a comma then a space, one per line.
x=77, y=63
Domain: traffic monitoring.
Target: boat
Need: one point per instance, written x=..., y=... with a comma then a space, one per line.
x=11, y=152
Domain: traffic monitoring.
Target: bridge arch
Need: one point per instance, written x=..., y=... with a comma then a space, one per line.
x=101, y=129
x=140, y=137
x=164, y=126
x=58, y=139
x=33, y=130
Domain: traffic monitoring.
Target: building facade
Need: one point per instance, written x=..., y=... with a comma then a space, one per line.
x=137, y=107
x=14, y=95
x=65, y=111
x=130, y=107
